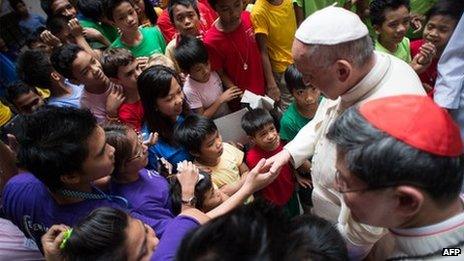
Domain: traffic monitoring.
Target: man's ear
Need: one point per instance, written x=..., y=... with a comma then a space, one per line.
x=56, y=76
x=343, y=70
x=409, y=200
x=70, y=179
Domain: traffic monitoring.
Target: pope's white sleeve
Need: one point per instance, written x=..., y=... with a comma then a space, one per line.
x=302, y=146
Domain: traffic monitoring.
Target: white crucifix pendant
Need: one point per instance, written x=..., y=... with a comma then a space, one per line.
x=245, y=66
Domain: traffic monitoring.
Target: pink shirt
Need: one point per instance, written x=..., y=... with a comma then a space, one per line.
x=96, y=103
x=205, y=94
x=14, y=245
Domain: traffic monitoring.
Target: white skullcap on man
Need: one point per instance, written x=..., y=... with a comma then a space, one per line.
x=330, y=26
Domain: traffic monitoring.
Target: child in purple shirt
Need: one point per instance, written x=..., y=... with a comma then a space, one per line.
x=66, y=151
x=146, y=190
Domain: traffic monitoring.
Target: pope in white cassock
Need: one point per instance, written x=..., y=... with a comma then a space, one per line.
x=334, y=53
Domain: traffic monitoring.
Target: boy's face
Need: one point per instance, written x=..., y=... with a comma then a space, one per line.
x=211, y=147
x=186, y=20
x=87, y=70
x=127, y=75
x=125, y=17
x=100, y=159
x=229, y=12
x=63, y=8
x=200, y=72
x=21, y=8
x=28, y=103
x=306, y=97
x=438, y=30
x=395, y=26
x=267, y=138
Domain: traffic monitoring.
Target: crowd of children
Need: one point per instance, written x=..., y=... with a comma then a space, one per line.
x=111, y=150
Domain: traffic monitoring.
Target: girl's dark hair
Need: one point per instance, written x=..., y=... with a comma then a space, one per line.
x=100, y=236
x=155, y=83
x=201, y=188
x=451, y=8
x=116, y=136
x=150, y=12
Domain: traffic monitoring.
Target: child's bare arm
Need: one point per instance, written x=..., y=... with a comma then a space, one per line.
x=230, y=189
x=272, y=90
x=228, y=95
x=78, y=32
x=226, y=81
x=299, y=14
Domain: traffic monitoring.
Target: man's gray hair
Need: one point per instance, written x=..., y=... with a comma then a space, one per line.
x=357, y=52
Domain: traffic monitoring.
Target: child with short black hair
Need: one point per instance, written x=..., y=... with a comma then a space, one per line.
x=302, y=109
x=185, y=17
x=199, y=135
x=34, y=68
x=258, y=124
x=28, y=22
x=140, y=41
x=441, y=19
x=391, y=20
x=202, y=87
x=297, y=115
x=23, y=97
x=122, y=68
x=99, y=95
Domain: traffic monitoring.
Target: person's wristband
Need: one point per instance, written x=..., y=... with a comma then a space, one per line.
x=112, y=118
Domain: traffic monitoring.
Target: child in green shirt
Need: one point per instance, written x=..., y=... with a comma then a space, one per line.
x=140, y=41
x=390, y=19
x=298, y=114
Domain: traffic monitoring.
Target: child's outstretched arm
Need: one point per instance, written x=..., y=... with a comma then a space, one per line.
x=256, y=179
x=78, y=32
x=272, y=90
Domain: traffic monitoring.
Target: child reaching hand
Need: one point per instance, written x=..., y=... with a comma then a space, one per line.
x=203, y=87
x=259, y=126
x=199, y=135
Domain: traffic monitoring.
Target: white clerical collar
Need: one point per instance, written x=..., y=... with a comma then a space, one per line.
x=446, y=225
x=369, y=82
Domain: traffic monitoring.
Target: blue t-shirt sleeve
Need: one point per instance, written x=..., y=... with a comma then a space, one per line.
x=174, y=233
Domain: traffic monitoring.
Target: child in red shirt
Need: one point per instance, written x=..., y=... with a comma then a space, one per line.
x=233, y=50
x=442, y=19
x=207, y=17
x=259, y=126
x=123, y=69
